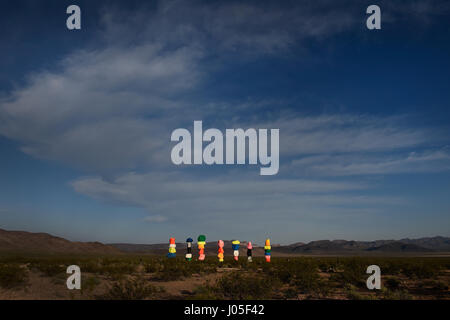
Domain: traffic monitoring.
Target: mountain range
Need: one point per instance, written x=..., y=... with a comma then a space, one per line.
x=22, y=241
x=421, y=245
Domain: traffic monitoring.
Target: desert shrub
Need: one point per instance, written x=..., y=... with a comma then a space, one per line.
x=203, y=267
x=355, y=295
x=175, y=269
x=420, y=270
x=91, y=266
x=59, y=279
x=239, y=286
x=354, y=272
x=328, y=265
x=49, y=268
x=89, y=283
x=352, y=293
x=301, y=271
x=290, y=293
x=284, y=275
x=130, y=289
x=388, y=294
x=119, y=268
x=205, y=292
x=12, y=275
x=437, y=288
x=445, y=263
x=392, y=283
x=440, y=286
x=301, y=274
x=391, y=267
x=151, y=267
x=251, y=267
x=306, y=278
x=322, y=289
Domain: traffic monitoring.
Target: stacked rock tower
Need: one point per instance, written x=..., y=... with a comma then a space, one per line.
x=267, y=250
x=249, y=251
x=221, y=252
x=189, y=249
x=201, y=241
x=172, y=250
x=235, y=245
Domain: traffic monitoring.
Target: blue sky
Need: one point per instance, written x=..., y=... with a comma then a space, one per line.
x=86, y=117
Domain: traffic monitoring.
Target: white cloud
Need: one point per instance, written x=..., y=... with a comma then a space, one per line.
x=113, y=107
x=334, y=133
x=176, y=195
x=230, y=26
x=362, y=164
x=108, y=109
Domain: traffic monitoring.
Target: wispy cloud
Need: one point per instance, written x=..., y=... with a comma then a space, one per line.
x=364, y=164
x=177, y=195
x=112, y=107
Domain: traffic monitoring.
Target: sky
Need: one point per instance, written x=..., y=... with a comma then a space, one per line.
x=86, y=117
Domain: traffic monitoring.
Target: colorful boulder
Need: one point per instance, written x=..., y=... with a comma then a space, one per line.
x=221, y=251
x=235, y=245
x=189, y=249
x=249, y=251
x=267, y=250
x=201, y=241
x=172, y=250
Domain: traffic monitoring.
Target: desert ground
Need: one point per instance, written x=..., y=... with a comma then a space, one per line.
x=134, y=276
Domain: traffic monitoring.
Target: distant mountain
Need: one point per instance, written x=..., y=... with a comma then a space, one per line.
x=433, y=243
x=398, y=246
x=21, y=241
x=422, y=245
x=334, y=246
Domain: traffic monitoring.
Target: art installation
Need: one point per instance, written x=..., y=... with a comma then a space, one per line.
x=249, y=251
x=267, y=249
x=220, y=243
x=172, y=250
x=189, y=249
x=201, y=241
x=235, y=246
